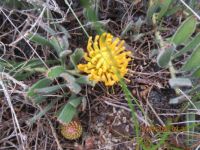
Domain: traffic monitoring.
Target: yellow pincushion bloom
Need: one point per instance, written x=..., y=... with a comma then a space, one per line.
x=107, y=59
x=72, y=131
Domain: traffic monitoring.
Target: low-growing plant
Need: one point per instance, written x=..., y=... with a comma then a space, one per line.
x=181, y=48
x=66, y=72
x=63, y=77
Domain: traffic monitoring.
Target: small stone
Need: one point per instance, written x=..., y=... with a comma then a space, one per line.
x=127, y=128
x=124, y=120
x=89, y=143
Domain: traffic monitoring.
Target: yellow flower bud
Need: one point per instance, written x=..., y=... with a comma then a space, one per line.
x=72, y=131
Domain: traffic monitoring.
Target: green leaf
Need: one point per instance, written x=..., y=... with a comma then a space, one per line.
x=91, y=15
x=128, y=27
x=153, y=53
x=75, y=102
x=184, y=31
x=65, y=37
x=34, y=37
x=1, y=68
x=70, y=109
x=69, y=78
x=14, y=4
x=65, y=53
x=50, y=89
x=71, y=83
x=76, y=56
x=180, y=82
x=55, y=72
x=48, y=29
x=57, y=43
x=196, y=73
x=22, y=75
x=5, y=63
x=136, y=37
x=31, y=63
x=173, y=10
x=164, y=56
x=67, y=114
x=193, y=61
x=163, y=5
x=41, y=113
x=153, y=8
x=40, y=84
x=159, y=8
x=64, y=31
x=74, y=87
x=85, y=80
x=37, y=99
x=34, y=65
x=190, y=118
x=190, y=46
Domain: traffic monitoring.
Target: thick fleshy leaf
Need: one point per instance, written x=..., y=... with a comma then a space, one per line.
x=184, y=31
x=55, y=72
x=163, y=6
x=69, y=110
x=164, y=56
x=191, y=124
x=25, y=69
x=58, y=44
x=173, y=10
x=41, y=113
x=85, y=80
x=34, y=37
x=76, y=56
x=22, y=75
x=190, y=46
x=180, y=82
x=193, y=61
x=127, y=28
x=68, y=77
x=40, y=84
x=196, y=73
x=39, y=99
x=49, y=89
x=67, y=114
x=159, y=8
x=153, y=8
x=32, y=64
x=71, y=83
x=65, y=53
x=74, y=87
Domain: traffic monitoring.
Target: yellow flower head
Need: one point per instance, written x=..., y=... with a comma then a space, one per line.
x=107, y=59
